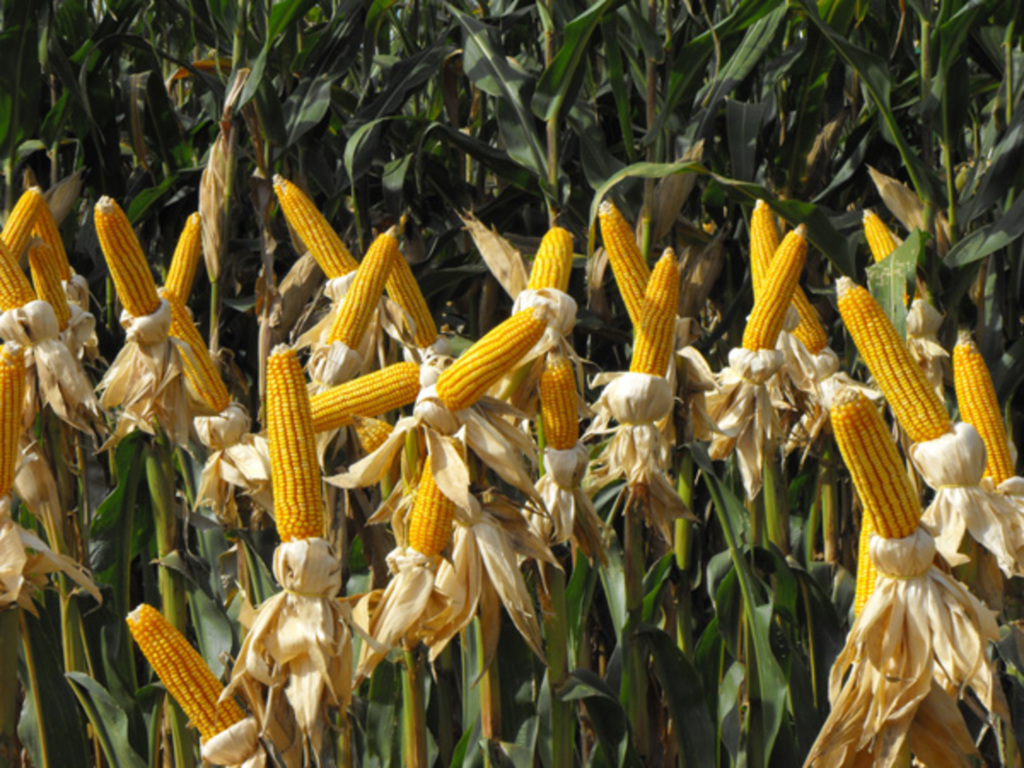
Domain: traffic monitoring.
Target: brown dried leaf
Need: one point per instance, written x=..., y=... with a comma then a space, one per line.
x=63, y=196
x=504, y=261
x=672, y=192
x=908, y=208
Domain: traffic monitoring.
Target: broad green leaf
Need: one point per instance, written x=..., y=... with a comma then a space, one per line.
x=284, y=12
x=888, y=280
x=990, y=238
x=605, y=712
x=108, y=719
x=306, y=107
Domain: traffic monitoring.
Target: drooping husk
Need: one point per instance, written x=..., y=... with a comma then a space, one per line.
x=923, y=323
x=238, y=460
x=238, y=745
x=570, y=512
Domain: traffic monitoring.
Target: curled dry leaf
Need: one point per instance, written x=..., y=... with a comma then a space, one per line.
x=504, y=261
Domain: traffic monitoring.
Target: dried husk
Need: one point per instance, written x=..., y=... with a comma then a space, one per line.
x=238, y=745
x=570, y=512
x=923, y=323
x=238, y=459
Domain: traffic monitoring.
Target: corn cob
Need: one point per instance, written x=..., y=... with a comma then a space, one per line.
x=867, y=573
x=916, y=405
x=46, y=277
x=15, y=289
x=200, y=371
x=764, y=242
x=125, y=259
x=890, y=503
x=182, y=271
x=810, y=331
x=294, y=472
x=979, y=407
x=769, y=314
x=482, y=365
x=553, y=263
x=183, y=672
x=357, y=307
x=403, y=289
x=372, y=433
x=430, y=521
x=370, y=395
x=310, y=225
x=558, y=403
x=18, y=228
x=628, y=265
x=12, y=400
x=655, y=336
x=46, y=230
x=880, y=239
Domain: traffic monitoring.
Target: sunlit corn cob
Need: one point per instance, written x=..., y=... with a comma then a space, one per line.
x=979, y=407
x=558, y=403
x=405, y=291
x=810, y=330
x=482, y=365
x=867, y=573
x=553, y=262
x=880, y=239
x=764, y=241
x=294, y=471
x=46, y=230
x=182, y=271
x=769, y=314
x=125, y=259
x=370, y=395
x=429, y=524
x=18, y=227
x=12, y=398
x=631, y=271
x=357, y=307
x=655, y=335
x=200, y=371
x=319, y=236
x=15, y=289
x=916, y=405
x=372, y=433
x=183, y=672
x=885, y=491
x=47, y=280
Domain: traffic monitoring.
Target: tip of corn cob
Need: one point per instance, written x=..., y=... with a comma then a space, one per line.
x=801, y=230
x=106, y=204
x=844, y=285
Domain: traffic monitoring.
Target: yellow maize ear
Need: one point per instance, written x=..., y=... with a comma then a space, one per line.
x=46, y=277
x=18, y=227
x=372, y=433
x=886, y=493
x=310, y=225
x=12, y=400
x=880, y=239
x=15, y=289
x=553, y=262
x=655, y=336
x=125, y=259
x=628, y=265
x=810, y=331
x=867, y=573
x=430, y=522
x=370, y=395
x=294, y=471
x=46, y=230
x=182, y=272
x=405, y=291
x=200, y=372
x=764, y=242
x=558, y=411
x=183, y=672
x=367, y=287
x=769, y=314
x=916, y=405
x=482, y=365
x=979, y=407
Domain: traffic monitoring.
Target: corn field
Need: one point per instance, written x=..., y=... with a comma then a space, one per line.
x=511, y=384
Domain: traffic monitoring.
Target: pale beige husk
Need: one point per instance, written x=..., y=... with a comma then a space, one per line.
x=80, y=335
x=923, y=323
x=919, y=642
x=238, y=745
x=692, y=380
x=570, y=512
x=239, y=461
x=77, y=292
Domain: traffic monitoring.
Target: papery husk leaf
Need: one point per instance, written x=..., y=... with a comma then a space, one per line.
x=504, y=261
x=923, y=323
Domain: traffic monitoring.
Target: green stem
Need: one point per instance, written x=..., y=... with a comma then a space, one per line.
x=776, y=511
x=414, y=724
x=829, y=507
x=445, y=674
x=556, y=649
x=633, y=693
x=9, y=688
x=683, y=546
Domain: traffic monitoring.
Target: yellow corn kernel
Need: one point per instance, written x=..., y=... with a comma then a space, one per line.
x=880, y=239
x=18, y=227
x=553, y=262
x=357, y=307
x=310, y=225
x=889, y=500
x=810, y=331
x=372, y=433
x=628, y=265
x=182, y=271
x=976, y=396
x=200, y=372
x=430, y=522
x=404, y=290
x=655, y=336
x=46, y=230
x=12, y=400
x=481, y=366
x=46, y=277
x=294, y=471
x=764, y=242
x=769, y=314
x=370, y=395
x=916, y=405
x=125, y=259
x=558, y=411
x=867, y=573
x=15, y=289
x=183, y=672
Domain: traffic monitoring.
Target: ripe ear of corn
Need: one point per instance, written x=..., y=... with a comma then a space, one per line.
x=319, y=237
x=46, y=230
x=200, y=371
x=125, y=259
x=482, y=365
x=979, y=407
x=18, y=227
x=655, y=336
x=889, y=500
x=558, y=410
x=628, y=265
x=15, y=289
x=915, y=403
x=810, y=331
x=294, y=471
x=880, y=239
x=47, y=280
x=183, y=672
x=372, y=433
x=764, y=242
x=867, y=572
x=429, y=527
x=12, y=400
x=405, y=291
x=182, y=271
x=769, y=314
x=357, y=307
x=553, y=262
x=370, y=395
